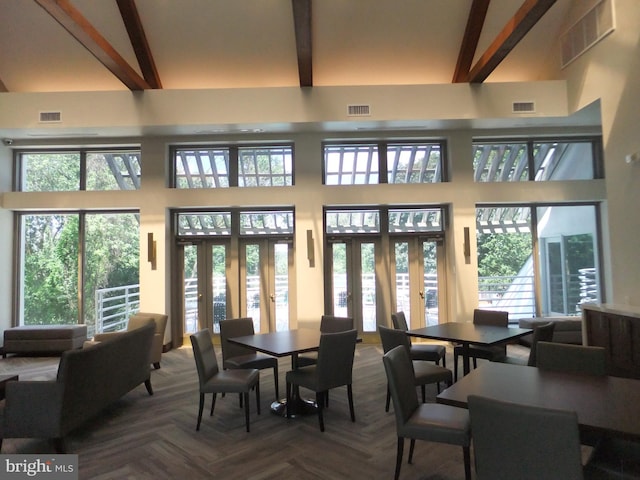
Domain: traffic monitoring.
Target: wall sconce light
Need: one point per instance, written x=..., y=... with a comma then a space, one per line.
x=151, y=250
x=467, y=246
x=632, y=158
x=311, y=254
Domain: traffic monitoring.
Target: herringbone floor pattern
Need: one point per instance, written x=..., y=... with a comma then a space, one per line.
x=153, y=437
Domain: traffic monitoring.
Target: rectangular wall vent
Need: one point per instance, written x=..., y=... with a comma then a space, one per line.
x=50, y=117
x=592, y=27
x=358, y=110
x=524, y=107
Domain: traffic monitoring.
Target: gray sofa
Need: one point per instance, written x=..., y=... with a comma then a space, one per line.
x=88, y=380
x=567, y=329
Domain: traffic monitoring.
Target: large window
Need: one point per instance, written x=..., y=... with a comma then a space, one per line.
x=231, y=166
x=538, y=260
x=518, y=161
x=72, y=170
x=383, y=162
x=78, y=268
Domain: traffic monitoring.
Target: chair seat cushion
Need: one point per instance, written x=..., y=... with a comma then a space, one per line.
x=430, y=373
x=232, y=381
x=431, y=353
x=438, y=423
x=306, y=377
x=307, y=359
x=251, y=360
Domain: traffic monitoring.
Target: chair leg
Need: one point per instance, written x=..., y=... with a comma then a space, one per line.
x=288, y=400
x=213, y=404
x=423, y=388
x=147, y=384
x=320, y=403
x=475, y=362
x=411, y=447
x=200, y=408
x=399, y=457
x=275, y=381
x=350, y=395
x=455, y=367
x=258, y=396
x=246, y=408
x=156, y=365
x=467, y=463
x=386, y=406
x=444, y=360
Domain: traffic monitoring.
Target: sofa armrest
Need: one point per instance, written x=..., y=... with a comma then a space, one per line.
x=33, y=409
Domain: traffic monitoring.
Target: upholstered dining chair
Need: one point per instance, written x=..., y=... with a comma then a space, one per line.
x=213, y=380
x=483, y=317
x=237, y=356
x=566, y=357
x=424, y=373
x=420, y=351
x=328, y=324
x=333, y=369
x=512, y=441
x=432, y=422
x=541, y=333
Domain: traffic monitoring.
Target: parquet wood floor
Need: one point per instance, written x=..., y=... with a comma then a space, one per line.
x=153, y=437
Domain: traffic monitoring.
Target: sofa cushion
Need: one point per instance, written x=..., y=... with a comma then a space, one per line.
x=45, y=332
x=567, y=329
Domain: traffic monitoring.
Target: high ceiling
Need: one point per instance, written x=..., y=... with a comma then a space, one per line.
x=88, y=45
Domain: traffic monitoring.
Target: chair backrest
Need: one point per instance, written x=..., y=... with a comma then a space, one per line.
x=399, y=320
x=161, y=320
x=204, y=355
x=566, y=357
x=392, y=338
x=234, y=327
x=491, y=317
x=332, y=324
x=401, y=382
x=541, y=333
x=524, y=442
x=335, y=359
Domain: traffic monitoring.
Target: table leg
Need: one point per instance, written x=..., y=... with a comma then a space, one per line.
x=299, y=405
x=466, y=368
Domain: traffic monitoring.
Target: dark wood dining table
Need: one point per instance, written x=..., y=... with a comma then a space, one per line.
x=604, y=404
x=282, y=344
x=467, y=333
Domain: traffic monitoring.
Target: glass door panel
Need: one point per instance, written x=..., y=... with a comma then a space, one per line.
x=190, y=293
x=368, y=286
x=341, y=291
x=282, y=254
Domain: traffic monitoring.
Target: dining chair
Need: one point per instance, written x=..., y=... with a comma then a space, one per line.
x=333, y=369
x=569, y=358
x=213, y=380
x=328, y=324
x=433, y=422
x=541, y=333
x=512, y=441
x=493, y=353
x=617, y=458
x=423, y=373
x=420, y=351
x=237, y=356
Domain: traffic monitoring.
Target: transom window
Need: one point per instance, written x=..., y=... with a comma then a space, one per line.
x=519, y=161
x=382, y=162
x=230, y=166
x=73, y=170
x=369, y=220
x=246, y=222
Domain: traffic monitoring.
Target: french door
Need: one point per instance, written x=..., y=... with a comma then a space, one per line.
x=352, y=280
x=418, y=279
x=232, y=278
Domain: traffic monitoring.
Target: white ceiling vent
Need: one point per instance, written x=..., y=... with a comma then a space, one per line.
x=50, y=117
x=358, y=110
x=592, y=27
x=523, y=107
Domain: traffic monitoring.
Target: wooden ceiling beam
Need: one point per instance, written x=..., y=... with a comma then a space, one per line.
x=302, y=24
x=78, y=26
x=132, y=22
x=475, y=22
x=516, y=28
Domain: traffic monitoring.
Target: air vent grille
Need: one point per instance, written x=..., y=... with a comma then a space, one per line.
x=524, y=107
x=358, y=110
x=50, y=117
x=592, y=27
